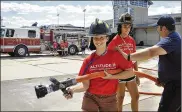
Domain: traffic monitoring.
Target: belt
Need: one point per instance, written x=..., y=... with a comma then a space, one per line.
x=128, y=79
x=100, y=96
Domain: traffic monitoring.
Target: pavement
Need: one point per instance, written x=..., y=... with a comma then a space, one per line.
x=20, y=75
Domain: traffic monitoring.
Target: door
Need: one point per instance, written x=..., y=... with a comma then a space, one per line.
x=9, y=41
x=2, y=39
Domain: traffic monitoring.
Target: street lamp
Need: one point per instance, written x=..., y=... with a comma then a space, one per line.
x=84, y=17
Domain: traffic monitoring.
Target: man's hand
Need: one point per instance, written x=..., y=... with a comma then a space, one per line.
x=70, y=94
x=108, y=76
x=158, y=83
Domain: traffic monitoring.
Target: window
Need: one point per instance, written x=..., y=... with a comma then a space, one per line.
x=178, y=19
x=10, y=32
x=2, y=32
x=31, y=33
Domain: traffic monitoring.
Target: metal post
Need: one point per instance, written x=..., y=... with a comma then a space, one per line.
x=1, y=22
x=58, y=19
x=58, y=16
x=128, y=6
x=84, y=17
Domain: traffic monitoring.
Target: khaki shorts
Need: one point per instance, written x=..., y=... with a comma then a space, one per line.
x=92, y=102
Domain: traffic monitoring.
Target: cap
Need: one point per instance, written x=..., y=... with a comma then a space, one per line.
x=165, y=20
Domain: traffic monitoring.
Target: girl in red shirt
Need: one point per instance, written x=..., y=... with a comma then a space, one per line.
x=55, y=46
x=100, y=93
x=66, y=47
x=62, y=46
x=127, y=44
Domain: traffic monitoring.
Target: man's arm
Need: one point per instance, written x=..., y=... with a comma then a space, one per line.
x=135, y=66
x=144, y=54
x=148, y=53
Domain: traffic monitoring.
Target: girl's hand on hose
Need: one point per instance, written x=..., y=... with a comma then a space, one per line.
x=69, y=95
x=108, y=76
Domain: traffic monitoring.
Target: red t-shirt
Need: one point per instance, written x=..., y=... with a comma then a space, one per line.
x=126, y=44
x=55, y=45
x=66, y=44
x=62, y=44
x=110, y=61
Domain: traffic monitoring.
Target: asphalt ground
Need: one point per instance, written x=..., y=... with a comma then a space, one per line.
x=20, y=75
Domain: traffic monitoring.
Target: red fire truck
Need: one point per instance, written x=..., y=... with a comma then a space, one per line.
x=72, y=34
x=22, y=41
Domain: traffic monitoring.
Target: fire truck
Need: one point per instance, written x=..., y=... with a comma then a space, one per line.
x=73, y=38
x=19, y=41
x=22, y=41
x=72, y=34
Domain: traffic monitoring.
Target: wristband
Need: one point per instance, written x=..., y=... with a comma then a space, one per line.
x=128, y=57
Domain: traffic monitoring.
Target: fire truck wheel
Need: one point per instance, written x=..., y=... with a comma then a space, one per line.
x=72, y=50
x=21, y=51
x=11, y=54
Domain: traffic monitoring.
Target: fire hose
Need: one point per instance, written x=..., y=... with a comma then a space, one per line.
x=144, y=75
x=102, y=74
x=42, y=90
x=147, y=68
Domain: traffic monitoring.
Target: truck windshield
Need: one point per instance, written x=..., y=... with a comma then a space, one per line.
x=2, y=32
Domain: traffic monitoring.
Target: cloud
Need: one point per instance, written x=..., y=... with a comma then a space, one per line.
x=164, y=10
x=21, y=8
x=22, y=13
x=98, y=9
x=16, y=21
x=68, y=14
x=18, y=14
x=164, y=7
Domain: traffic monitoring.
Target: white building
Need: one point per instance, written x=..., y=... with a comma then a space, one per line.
x=142, y=23
x=138, y=10
x=148, y=34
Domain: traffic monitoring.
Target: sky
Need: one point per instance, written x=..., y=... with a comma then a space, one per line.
x=25, y=13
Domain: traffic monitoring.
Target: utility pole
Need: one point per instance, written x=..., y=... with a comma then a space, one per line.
x=1, y=22
x=58, y=16
x=84, y=17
